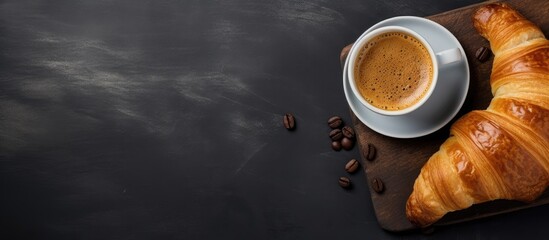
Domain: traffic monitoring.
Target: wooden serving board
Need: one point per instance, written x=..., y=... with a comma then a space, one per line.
x=399, y=161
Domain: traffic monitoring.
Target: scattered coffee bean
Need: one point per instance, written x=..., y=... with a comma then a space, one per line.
x=348, y=132
x=336, y=145
x=483, y=54
x=347, y=143
x=336, y=135
x=370, y=152
x=377, y=185
x=344, y=182
x=289, y=121
x=352, y=166
x=335, y=122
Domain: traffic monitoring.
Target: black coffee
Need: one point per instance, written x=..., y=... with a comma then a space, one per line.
x=393, y=71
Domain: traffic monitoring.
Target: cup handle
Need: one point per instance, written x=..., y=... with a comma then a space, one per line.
x=449, y=56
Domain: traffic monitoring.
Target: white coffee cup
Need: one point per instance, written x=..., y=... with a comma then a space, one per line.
x=439, y=60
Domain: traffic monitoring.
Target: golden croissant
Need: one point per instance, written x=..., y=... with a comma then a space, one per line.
x=501, y=152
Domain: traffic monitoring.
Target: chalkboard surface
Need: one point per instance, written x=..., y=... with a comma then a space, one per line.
x=162, y=119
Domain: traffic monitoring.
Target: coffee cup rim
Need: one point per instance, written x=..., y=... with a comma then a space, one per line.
x=357, y=46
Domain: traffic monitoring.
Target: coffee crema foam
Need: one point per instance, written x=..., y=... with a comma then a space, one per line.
x=393, y=71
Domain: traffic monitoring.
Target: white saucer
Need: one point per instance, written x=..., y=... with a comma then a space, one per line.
x=441, y=107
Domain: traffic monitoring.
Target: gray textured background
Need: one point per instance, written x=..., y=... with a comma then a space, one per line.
x=162, y=120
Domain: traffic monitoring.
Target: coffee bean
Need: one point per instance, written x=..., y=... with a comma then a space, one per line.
x=344, y=182
x=348, y=132
x=289, y=121
x=335, y=122
x=352, y=166
x=370, y=152
x=336, y=135
x=347, y=143
x=336, y=145
x=483, y=54
x=377, y=185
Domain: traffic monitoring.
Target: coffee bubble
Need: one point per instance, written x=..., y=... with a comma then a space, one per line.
x=398, y=67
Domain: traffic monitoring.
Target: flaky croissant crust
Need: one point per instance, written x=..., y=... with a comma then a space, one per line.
x=501, y=152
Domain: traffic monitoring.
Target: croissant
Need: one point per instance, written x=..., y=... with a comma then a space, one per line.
x=501, y=152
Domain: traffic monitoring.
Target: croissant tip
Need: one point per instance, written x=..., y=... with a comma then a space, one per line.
x=413, y=213
x=484, y=12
